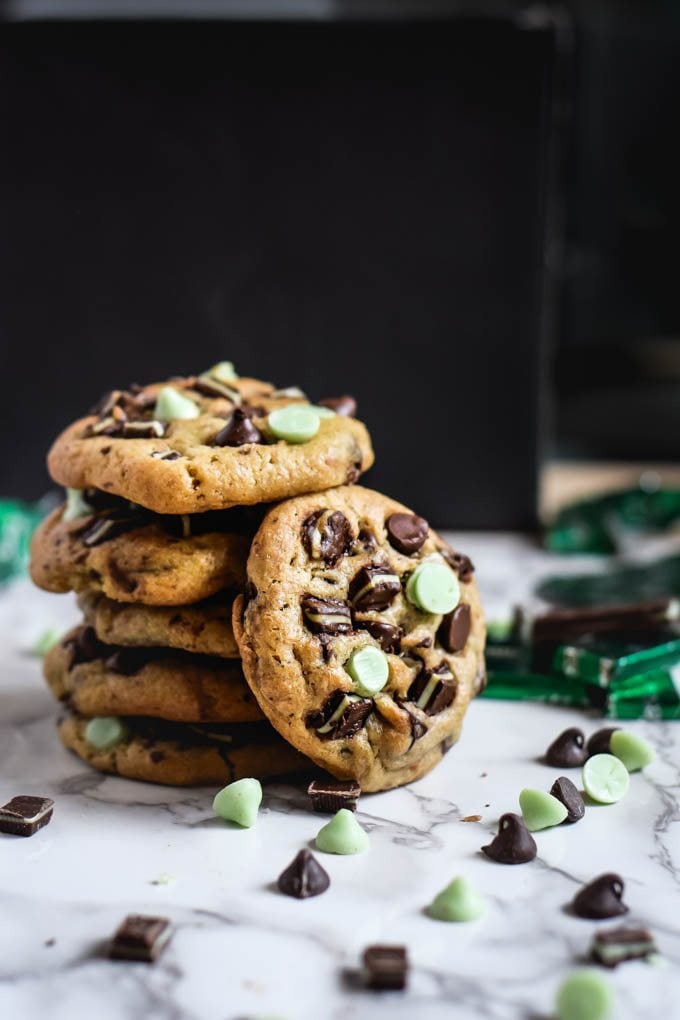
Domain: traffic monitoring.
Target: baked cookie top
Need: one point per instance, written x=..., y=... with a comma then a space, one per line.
x=108, y=545
x=361, y=634
x=97, y=679
x=211, y=441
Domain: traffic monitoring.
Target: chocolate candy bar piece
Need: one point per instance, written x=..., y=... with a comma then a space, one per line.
x=563, y=624
x=385, y=967
x=23, y=815
x=140, y=938
x=328, y=796
x=610, y=948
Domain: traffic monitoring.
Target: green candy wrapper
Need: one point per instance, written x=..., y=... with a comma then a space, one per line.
x=591, y=525
x=553, y=690
x=608, y=662
x=18, y=521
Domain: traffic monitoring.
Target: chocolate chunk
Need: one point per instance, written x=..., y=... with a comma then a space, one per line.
x=374, y=588
x=418, y=727
x=345, y=405
x=600, y=898
x=326, y=616
x=129, y=661
x=238, y=431
x=24, y=815
x=329, y=796
x=406, y=532
x=599, y=742
x=565, y=791
x=460, y=563
x=568, y=750
x=142, y=430
x=140, y=938
x=104, y=527
x=387, y=636
x=433, y=690
x=85, y=646
x=610, y=948
x=326, y=535
x=249, y=593
x=385, y=967
x=514, y=844
x=211, y=387
x=454, y=629
x=304, y=877
x=342, y=715
x=166, y=455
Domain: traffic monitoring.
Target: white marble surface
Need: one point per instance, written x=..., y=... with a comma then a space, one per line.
x=243, y=950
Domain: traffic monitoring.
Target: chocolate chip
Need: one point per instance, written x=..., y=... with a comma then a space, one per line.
x=599, y=742
x=565, y=791
x=326, y=616
x=84, y=646
x=341, y=715
x=600, y=898
x=140, y=938
x=128, y=661
x=24, y=815
x=433, y=690
x=304, y=877
x=455, y=628
x=385, y=967
x=568, y=750
x=374, y=587
x=459, y=562
x=387, y=636
x=610, y=948
x=238, y=431
x=326, y=535
x=345, y=405
x=406, y=532
x=249, y=593
x=514, y=844
x=329, y=796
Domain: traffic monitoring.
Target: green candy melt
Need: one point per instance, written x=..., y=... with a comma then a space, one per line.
x=76, y=505
x=295, y=424
x=171, y=405
x=541, y=810
x=342, y=835
x=605, y=778
x=369, y=669
x=459, y=901
x=433, y=587
x=632, y=750
x=105, y=731
x=239, y=802
x=584, y=995
x=223, y=371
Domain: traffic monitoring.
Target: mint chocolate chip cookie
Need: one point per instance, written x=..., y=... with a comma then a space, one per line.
x=361, y=634
x=207, y=442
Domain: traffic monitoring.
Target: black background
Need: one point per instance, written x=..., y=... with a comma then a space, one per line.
x=347, y=207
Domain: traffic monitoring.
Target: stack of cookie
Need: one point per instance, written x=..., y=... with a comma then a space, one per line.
x=224, y=636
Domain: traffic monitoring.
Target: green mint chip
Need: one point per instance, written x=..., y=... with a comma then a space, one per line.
x=459, y=901
x=76, y=505
x=105, y=731
x=584, y=995
x=171, y=405
x=223, y=371
x=433, y=587
x=541, y=810
x=369, y=669
x=634, y=752
x=605, y=778
x=239, y=802
x=342, y=835
x=296, y=423
x=323, y=412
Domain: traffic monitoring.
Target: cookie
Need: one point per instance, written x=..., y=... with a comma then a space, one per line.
x=218, y=445
x=361, y=634
x=97, y=679
x=185, y=755
x=134, y=556
x=204, y=628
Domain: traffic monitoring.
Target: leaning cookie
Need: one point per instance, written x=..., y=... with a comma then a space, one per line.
x=209, y=442
x=361, y=634
x=97, y=679
x=204, y=628
x=133, y=556
x=176, y=755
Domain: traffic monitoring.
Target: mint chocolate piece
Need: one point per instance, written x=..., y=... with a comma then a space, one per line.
x=385, y=967
x=326, y=535
x=374, y=587
x=600, y=898
x=24, y=815
x=567, y=751
x=328, y=796
x=514, y=844
x=342, y=715
x=326, y=616
x=85, y=646
x=140, y=938
x=564, y=790
x=387, y=636
x=610, y=948
x=433, y=690
x=599, y=742
x=304, y=877
x=345, y=405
